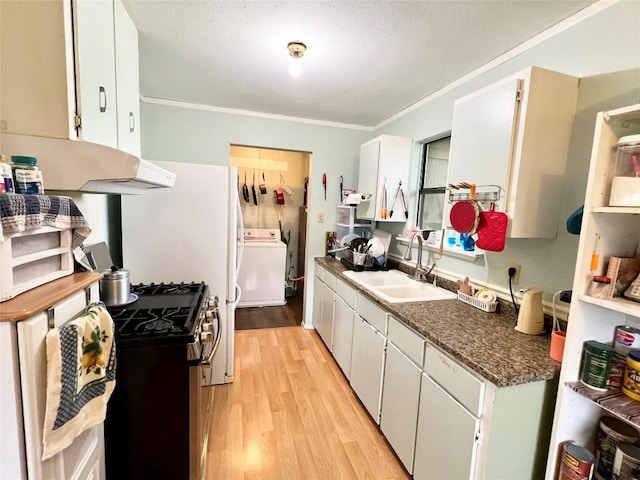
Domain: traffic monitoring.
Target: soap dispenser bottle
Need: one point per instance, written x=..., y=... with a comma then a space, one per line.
x=531, y=316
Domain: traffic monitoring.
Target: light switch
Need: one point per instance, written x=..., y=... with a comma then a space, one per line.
x=320, y=217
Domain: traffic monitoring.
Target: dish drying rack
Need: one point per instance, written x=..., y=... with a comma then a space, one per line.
x=476, y=302
x=488, y=193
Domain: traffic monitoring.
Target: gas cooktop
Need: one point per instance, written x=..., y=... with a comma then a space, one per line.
x=161, y=311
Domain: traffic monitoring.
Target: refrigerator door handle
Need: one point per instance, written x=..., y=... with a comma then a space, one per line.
x=237, y=299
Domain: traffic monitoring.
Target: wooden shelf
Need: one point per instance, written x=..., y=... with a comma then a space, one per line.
x=623, y=210
x=613, y=401
x=617, y=304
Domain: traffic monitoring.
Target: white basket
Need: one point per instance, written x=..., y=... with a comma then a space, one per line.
x=475, y=302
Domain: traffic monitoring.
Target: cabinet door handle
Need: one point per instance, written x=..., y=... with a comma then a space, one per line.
x=132, y=122
x=103, y=100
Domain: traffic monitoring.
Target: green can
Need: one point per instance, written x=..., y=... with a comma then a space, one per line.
x=597, y=359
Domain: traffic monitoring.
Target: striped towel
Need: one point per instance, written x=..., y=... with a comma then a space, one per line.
x=23, y=213
x=81, y=368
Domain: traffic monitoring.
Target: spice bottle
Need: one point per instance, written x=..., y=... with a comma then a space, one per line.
x=6, y=181
x=27, y=175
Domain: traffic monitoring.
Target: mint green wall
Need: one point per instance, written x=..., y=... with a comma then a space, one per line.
x=604, y=43
x=177, y=134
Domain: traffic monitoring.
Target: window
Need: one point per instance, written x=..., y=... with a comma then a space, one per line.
x=433, y=183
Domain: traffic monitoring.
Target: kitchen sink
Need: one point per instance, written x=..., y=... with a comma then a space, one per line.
x=394, y=286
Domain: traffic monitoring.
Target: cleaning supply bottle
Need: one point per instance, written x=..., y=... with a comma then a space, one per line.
x=6, y=181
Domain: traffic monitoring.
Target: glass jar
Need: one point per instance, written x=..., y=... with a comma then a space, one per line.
x=27, y=175
x=625, y=186
x=599, y=287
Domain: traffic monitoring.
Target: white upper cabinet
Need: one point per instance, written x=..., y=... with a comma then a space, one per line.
x=384, y=163
x=513, y=137
x=127, y=80
x=95, y=57
x=58, y=71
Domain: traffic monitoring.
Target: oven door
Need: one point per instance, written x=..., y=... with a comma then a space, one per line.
x=201, y=396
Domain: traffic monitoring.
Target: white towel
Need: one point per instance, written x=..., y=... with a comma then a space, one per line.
x=81, y=368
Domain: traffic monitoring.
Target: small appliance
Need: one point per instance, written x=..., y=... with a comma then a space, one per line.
x=531, y=316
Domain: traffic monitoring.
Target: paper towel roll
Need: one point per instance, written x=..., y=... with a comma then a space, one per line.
x=486, y=296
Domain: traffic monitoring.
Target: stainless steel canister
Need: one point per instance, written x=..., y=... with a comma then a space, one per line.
x=114, y=286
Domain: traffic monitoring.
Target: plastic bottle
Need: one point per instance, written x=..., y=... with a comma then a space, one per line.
x=6, y=184
x=27, y=175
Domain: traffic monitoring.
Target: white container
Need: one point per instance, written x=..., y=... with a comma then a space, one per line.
x=31, y=259
x=625, y=187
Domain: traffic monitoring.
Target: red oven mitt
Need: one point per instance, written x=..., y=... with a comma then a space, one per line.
x=492, y=230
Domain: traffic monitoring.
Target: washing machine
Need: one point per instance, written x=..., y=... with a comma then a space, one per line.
x=262, y=275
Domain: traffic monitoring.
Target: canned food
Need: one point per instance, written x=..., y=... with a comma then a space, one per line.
x=631, y=381
x=576, y=463
x=616, y=376
x=625, y=339
x=626, y=464
x=596, y=365
x=612, y=432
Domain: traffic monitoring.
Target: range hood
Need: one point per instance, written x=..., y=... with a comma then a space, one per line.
x=79, y=166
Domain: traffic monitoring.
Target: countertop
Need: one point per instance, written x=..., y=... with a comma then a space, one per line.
x=37, y=299
x=485, y=342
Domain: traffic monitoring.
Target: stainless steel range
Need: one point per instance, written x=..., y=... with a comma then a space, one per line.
x=158, y=417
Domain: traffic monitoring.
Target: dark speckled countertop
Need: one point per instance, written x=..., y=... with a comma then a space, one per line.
x=485, y=342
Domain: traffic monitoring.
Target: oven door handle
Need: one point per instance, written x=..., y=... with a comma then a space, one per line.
x=216, y=342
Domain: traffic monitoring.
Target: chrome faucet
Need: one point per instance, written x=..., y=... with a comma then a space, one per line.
x=420, y=273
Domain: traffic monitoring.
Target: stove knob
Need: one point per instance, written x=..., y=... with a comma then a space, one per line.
x=206, y=337
x=209, y=315
x=207, y=327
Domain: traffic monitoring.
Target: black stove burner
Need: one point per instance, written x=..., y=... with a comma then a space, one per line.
x=162, y=311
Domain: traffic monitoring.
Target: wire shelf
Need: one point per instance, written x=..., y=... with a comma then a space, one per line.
x=491, y=193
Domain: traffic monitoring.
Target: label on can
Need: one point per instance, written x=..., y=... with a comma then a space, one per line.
x=576, y=463
x=28, y=181
x=626, y=464
x=631, y=381
x=617, y=371
x=611, y=433
x=625, y=339
x=596, y=365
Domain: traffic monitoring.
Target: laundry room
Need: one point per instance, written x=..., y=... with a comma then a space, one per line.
x=272, y=185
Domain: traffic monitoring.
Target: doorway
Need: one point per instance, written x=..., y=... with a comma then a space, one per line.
x=272, y=185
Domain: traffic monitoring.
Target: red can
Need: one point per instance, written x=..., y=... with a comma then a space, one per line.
x=576, y=463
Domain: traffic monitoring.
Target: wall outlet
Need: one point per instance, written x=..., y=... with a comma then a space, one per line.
x=320, y=217
x=515, y=279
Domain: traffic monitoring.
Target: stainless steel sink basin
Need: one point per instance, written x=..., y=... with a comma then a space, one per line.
x=394, y=286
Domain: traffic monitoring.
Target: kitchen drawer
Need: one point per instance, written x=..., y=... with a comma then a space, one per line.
x=330, y=279
x=346, y=293
x=454, y=378
x=372, y=313
x=408, y=341
x=319, y=273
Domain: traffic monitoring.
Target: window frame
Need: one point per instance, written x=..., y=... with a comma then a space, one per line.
x=422, y=191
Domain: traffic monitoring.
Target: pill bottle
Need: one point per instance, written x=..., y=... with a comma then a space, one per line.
x=6, y=179
x=27, y=175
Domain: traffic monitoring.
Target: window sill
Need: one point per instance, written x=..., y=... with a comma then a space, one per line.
x=447, y=250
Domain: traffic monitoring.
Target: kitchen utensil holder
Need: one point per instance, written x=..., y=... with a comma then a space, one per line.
x=492, y=194
x=475, y=302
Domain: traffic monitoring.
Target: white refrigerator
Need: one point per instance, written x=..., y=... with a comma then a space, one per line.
x=192, y=232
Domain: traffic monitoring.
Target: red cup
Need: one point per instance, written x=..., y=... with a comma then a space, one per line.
x=557, y=345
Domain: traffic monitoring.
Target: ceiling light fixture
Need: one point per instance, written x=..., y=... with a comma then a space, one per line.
x=296, y=50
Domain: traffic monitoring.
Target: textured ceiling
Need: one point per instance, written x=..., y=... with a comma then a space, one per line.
x=365, y=62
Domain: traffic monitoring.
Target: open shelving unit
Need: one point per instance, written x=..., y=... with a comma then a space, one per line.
x=579, y=408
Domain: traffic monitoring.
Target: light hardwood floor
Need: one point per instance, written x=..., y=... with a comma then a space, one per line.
x=290, y=414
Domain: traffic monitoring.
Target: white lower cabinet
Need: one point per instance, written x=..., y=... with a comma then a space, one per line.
x=400, y=398
x=446, y=441
x=326, y=324
x=316, y=318
x=367, y=362
x=343, y=318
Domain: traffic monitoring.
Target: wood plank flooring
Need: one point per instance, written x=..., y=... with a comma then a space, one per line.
x=290, y=414
x=288, y=315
